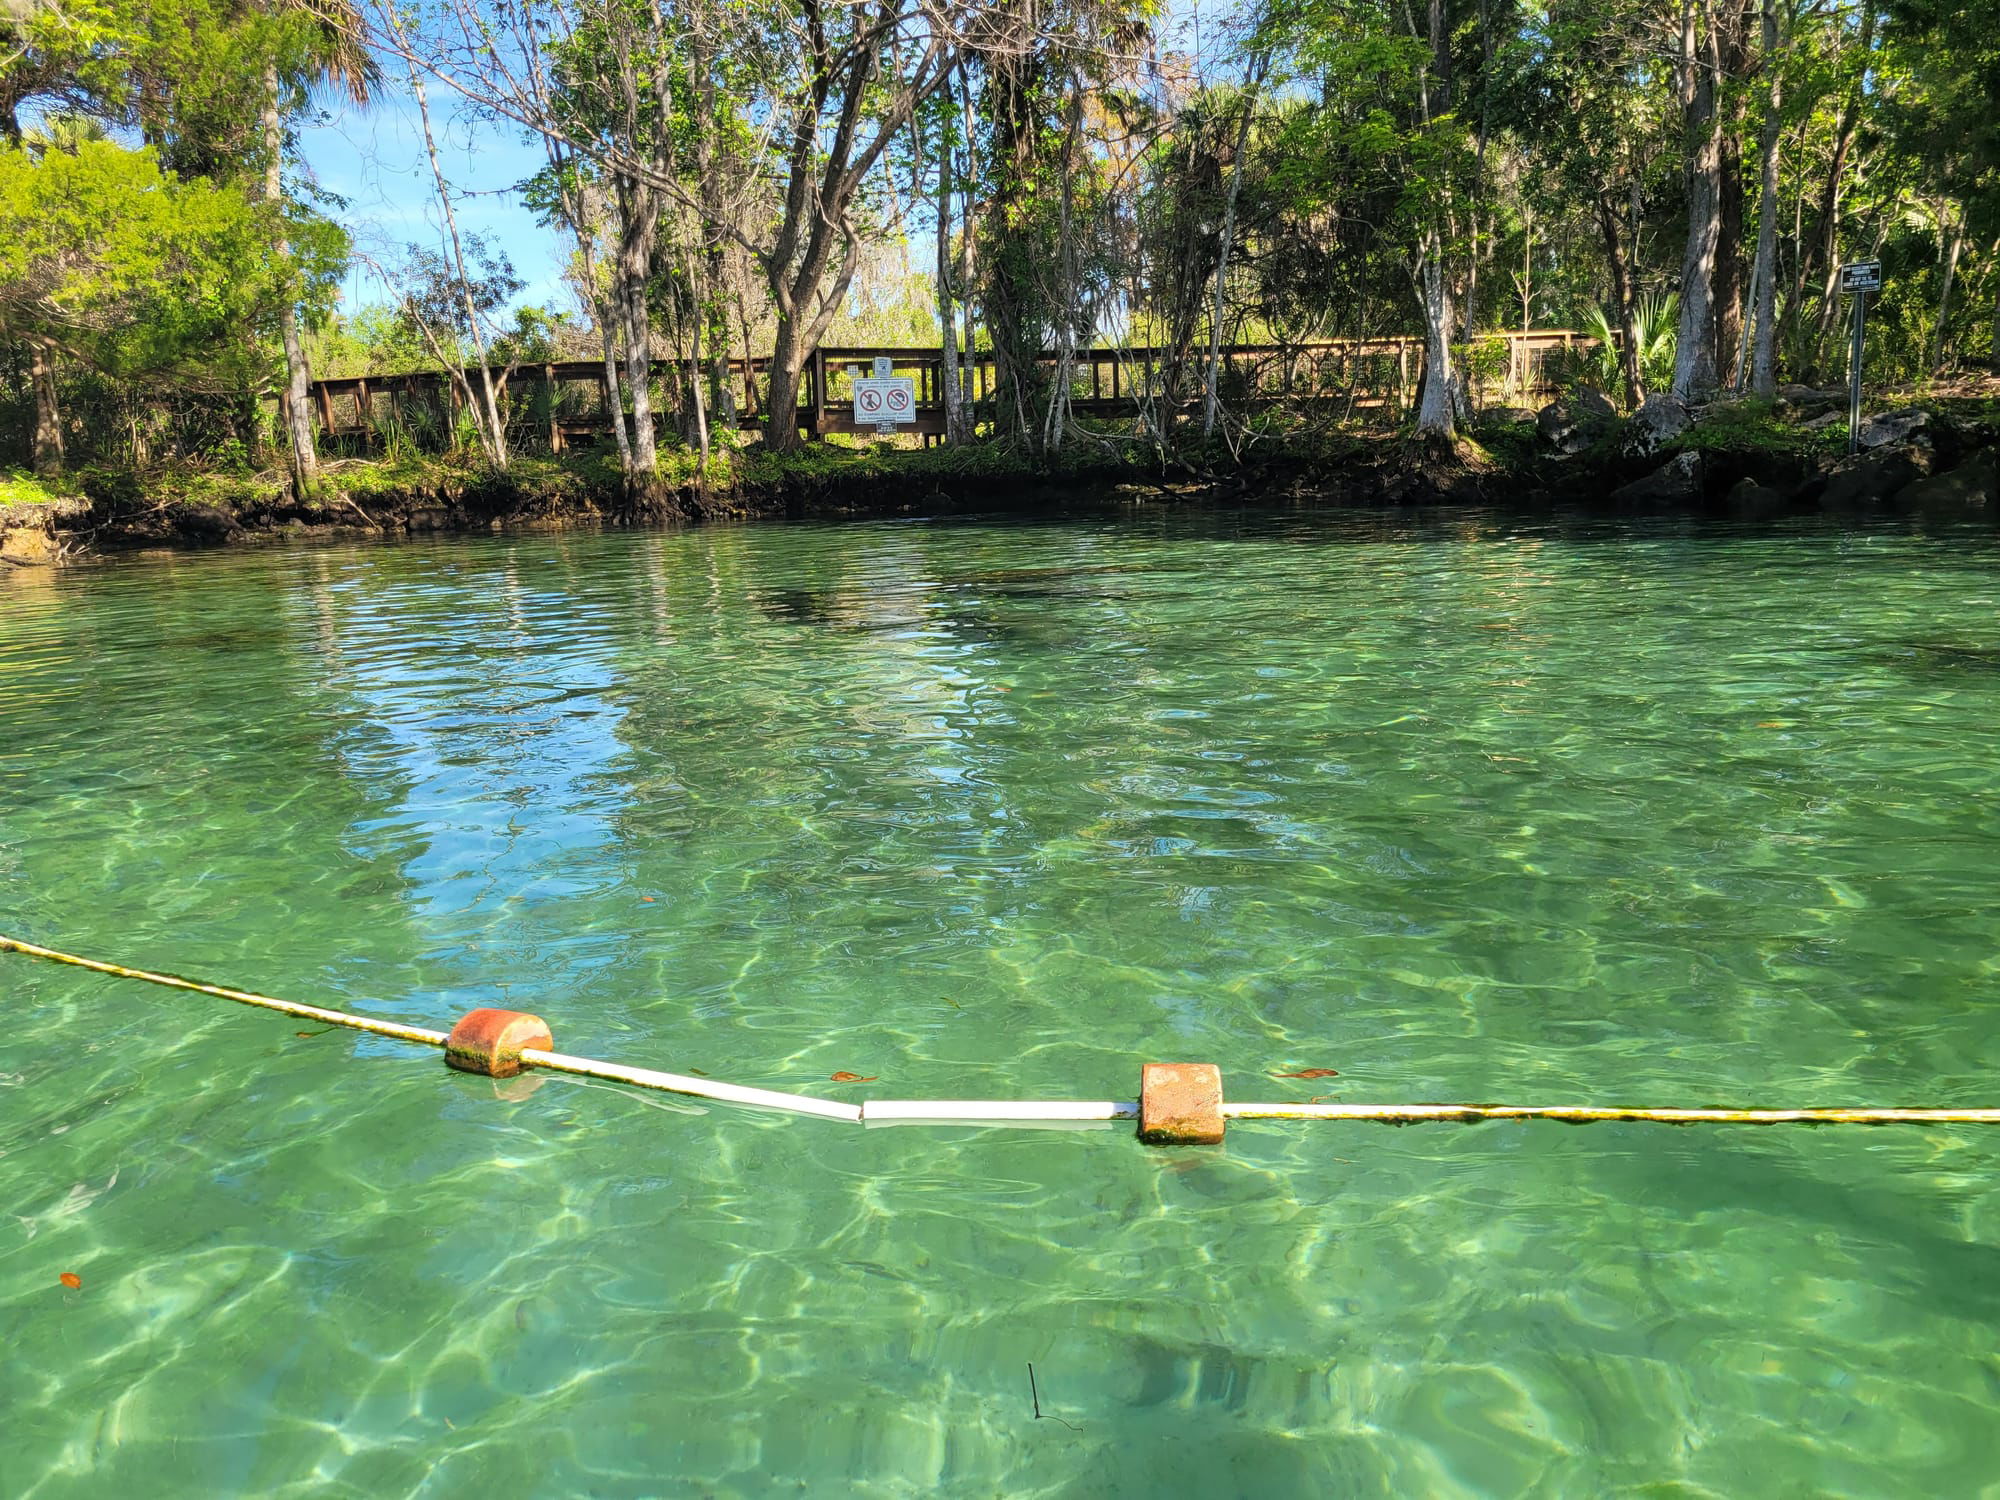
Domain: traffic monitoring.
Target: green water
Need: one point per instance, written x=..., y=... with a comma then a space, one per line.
x=1467, y=809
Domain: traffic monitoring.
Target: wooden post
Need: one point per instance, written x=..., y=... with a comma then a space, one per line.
x=555, y=424
x=325, y=408
x=818, y=392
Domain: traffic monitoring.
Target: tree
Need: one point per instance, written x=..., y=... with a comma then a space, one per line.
x=1388, y=125
x=108, y=261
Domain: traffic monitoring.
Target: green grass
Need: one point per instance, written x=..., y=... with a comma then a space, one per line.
x=19, y=487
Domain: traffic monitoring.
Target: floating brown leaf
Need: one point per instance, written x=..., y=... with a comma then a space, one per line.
x=1310, y=1073
x=851, y=1078
x=71, y=1280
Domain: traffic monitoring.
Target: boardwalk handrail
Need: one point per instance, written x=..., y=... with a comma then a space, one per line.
x=1108, y=381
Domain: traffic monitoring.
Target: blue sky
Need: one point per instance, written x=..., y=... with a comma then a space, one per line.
x=374, y=158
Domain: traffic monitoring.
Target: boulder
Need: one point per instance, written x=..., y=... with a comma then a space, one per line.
x=1971, y=488
x=1823, y=421
x=1748, y=500
x=1807, y=398
x=1869, y=478
x=1889, y=427
x=1676, y=482
x=203, y=523
x=1574, y=424
x=1508, y=416
x=1658, y=421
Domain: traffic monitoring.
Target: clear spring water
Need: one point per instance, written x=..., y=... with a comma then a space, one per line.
x=1466, y=808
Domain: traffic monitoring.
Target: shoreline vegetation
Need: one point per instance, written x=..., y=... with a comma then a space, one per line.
x=1174, y=251
x=1938, y=459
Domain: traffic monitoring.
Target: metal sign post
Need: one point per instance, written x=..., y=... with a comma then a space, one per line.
x=1857, y=280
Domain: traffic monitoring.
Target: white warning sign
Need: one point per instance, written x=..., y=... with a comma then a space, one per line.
x=885, y=402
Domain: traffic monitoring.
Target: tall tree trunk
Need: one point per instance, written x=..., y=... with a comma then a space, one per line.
x=1623, y=294
x=967, y=267
x=492, y=431
x=1733, y=61
x=1764, y=274
x=1437, y=402
x=1012, y=315
x=1210, y=405
x=806, y=304
x=788, y=358
x=608, y=319
x=638, y=224
x=297, y=405
x=1694, y=348
x=48, y=416
x=947, y=292
x=1956, y=248
x=697, y=386
x=1818, y=250
x=1993, y=344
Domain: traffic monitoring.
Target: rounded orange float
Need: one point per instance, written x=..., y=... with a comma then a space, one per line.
x=490, y=1041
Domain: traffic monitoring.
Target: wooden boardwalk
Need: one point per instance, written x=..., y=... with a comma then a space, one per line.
x=564, y=404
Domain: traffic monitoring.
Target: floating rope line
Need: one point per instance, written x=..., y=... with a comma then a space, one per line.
x=1180, y=1103
x=395, y=1029
x=1573, y=1114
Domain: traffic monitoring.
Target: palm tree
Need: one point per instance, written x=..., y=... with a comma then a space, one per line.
x=63, y=132
x=1655, y=320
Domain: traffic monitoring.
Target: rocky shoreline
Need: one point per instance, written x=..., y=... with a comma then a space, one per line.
x=1725, y=458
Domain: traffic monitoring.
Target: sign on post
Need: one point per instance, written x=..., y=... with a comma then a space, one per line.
x=1857, y=279
x=1861, y=276
x=885, y=401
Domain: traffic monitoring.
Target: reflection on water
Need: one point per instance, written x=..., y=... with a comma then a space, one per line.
x=1461, y=806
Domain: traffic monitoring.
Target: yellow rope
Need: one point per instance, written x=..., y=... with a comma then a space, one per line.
x=1573, y=1114
x=555, y=1062
x=395, y=1029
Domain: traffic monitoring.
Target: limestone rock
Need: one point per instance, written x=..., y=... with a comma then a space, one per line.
x=1748, y=500
x=1676, y=482
x=1572, y=425
x=1658, y=421
x=1869, y=478
x=1808, y=398
x=1971, y=488
x=1888, y=427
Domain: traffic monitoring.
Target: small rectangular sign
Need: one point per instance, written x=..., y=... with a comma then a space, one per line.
x=1861, y=276
x=885, y=403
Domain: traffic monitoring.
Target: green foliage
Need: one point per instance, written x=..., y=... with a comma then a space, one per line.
x=1657, y=319
x=118, y=264
x=373, y=340
x=18, y=487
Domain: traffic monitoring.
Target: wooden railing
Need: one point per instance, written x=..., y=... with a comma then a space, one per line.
x=563, y=403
